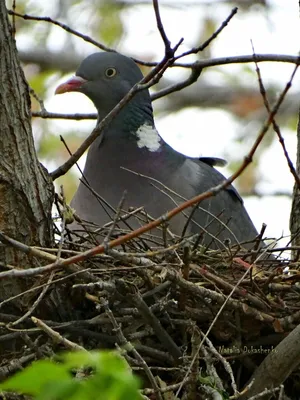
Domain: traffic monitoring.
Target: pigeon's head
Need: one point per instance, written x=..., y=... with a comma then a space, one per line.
x=105, y=78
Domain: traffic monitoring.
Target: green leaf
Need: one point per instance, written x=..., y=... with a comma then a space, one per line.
x=57, y=390
x=32, y=379
x=104, y=375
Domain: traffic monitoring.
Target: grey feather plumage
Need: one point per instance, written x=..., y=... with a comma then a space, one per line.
x=120, y=149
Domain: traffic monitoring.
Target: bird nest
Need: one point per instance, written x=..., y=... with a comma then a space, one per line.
x=190, y=321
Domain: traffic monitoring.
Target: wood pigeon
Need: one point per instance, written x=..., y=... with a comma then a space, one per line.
x=130, y=156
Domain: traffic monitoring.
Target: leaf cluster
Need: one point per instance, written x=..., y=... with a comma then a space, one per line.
x=77, y=376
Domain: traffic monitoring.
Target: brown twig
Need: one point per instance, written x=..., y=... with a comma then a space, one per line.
x=196, y=68
x=194, y=75
x=40, y=101
x=242, y=59
x=36, y=302
x=135, y=298
x=223, y=361
x=274, y=123
x=130, y=348
x=51, y=115
x=115, y=220
x=170, y=193
x=35, y=288
x=224, y=302
x=55, y=336
x=15, y=365
x=227, y=287
x=168, y=50
x=208, y=296
x=202, y=47
x=65, y=27
x=38, y=253
x=201, y=64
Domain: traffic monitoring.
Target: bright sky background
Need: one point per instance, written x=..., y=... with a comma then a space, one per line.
x=210, y=132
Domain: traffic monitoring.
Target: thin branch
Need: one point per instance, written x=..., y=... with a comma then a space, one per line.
x=196, y=50
x=36, y=302
x=134, y=297
x=51, y=115
x=227, y=299
x=38, y=253
x=35, y=288
x=195, y=73
x=14, y=19
x=115, y=220
x=167, y=43
x=130, y=348
x=55, y=336
x=223, y=361
x=198, y=64
x=40, y=101
x=196, y=69
x=212, y=62
x=275, y=125
x=65, y=27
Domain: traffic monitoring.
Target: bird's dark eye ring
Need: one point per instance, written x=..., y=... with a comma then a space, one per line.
x=110, y=72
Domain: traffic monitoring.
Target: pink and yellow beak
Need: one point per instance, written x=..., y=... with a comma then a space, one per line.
x=74, y=84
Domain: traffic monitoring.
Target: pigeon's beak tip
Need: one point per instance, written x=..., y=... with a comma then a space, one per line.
x=74, y=84
x=61, y=89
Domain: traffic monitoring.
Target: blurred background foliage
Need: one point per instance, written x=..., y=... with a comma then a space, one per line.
x=50, y=54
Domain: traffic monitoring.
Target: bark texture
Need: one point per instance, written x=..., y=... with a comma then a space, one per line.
x=277, y=366
x=295, y=211
x=26, y=190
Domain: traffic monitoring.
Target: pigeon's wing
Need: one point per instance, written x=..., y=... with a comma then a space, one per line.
x=212, y=161
x=217, y=162
x=222, y=216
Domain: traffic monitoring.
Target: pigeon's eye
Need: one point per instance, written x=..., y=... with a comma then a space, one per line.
x=110, y=72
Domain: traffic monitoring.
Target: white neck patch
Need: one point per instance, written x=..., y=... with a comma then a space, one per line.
x=147, y=136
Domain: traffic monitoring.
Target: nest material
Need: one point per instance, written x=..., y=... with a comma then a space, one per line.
x=188, y=319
